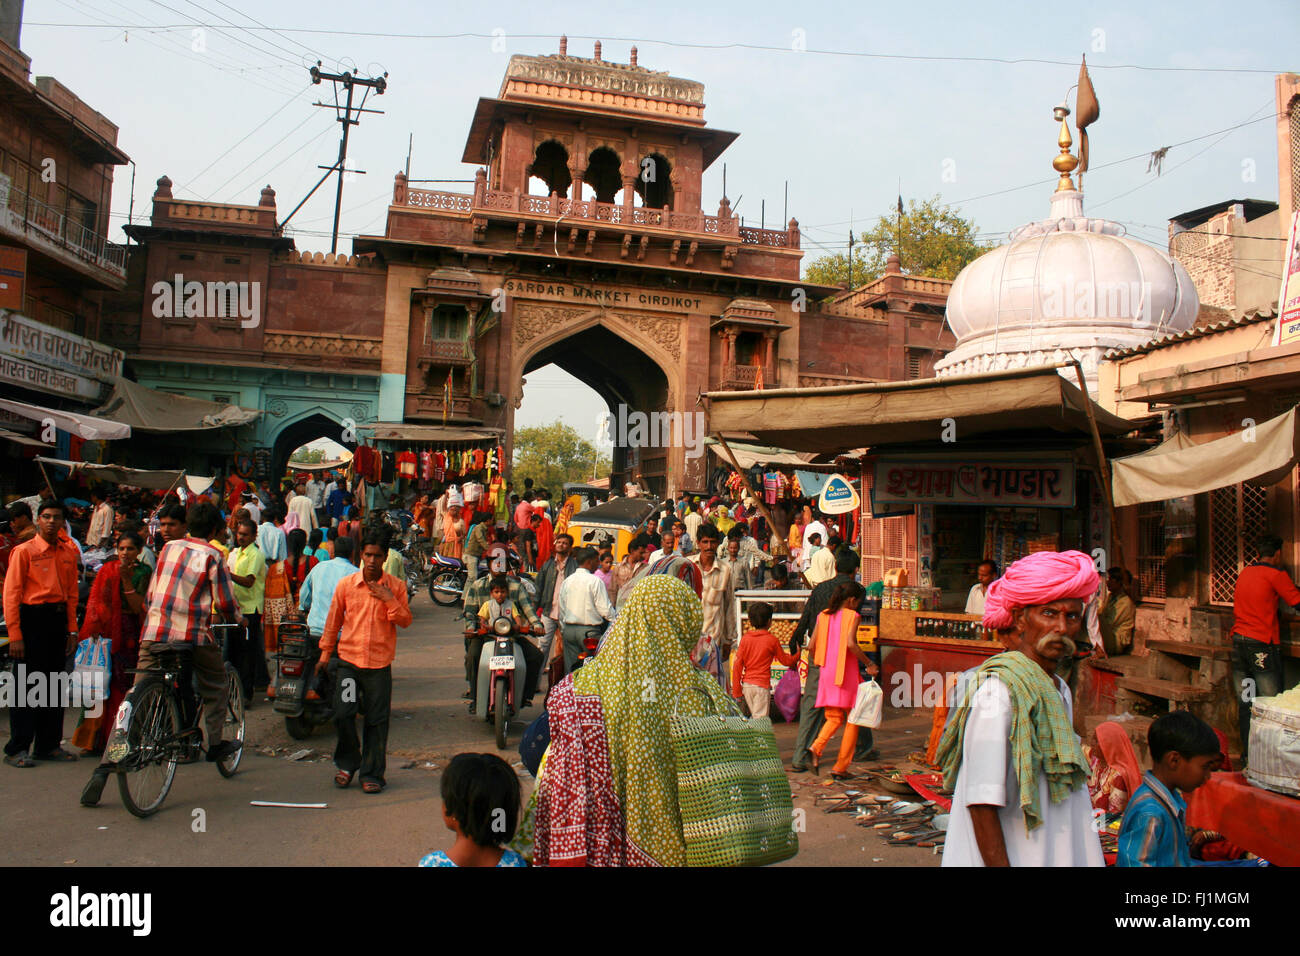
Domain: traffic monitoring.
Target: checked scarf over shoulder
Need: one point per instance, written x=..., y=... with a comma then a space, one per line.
x=1041, y=734
x=607, y=792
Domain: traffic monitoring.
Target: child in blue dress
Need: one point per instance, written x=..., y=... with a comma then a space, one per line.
x=480, y=804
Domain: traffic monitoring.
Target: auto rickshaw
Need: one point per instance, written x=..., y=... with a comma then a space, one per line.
x=614, y=523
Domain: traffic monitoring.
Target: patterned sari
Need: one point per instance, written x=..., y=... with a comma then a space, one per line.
x=607, y=790
x=278, y=604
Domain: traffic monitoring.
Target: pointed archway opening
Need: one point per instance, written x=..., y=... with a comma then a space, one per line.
x=631, y=387
x=304, y=432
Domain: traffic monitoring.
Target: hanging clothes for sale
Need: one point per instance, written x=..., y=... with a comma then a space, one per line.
x=388, y=467
x=426, y=465
x=406, y=465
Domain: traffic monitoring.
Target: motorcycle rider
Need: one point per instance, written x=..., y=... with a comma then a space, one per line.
x=507, y=592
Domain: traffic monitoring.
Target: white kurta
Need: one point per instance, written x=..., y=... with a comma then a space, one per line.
x=987, y=776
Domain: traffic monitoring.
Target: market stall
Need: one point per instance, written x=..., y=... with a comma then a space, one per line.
x=402, y=460
x=993, y=465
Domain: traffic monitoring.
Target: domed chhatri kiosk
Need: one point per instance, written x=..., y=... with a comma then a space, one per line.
x=1063, y=288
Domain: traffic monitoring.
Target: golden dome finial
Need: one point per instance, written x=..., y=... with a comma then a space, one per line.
x=1066, y=162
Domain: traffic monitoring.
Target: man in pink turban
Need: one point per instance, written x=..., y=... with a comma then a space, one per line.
x=1010, y=753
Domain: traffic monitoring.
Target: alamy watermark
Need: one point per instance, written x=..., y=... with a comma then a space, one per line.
x=208, y=300
x=633, y=429
x=21, y=688
x=1098, y=300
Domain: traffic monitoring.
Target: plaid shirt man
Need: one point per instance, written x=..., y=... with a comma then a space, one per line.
x=190, y=582
x=479, y=591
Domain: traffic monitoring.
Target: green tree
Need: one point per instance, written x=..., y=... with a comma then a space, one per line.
x=553, y=454
x=308, y=456
x=937, y=243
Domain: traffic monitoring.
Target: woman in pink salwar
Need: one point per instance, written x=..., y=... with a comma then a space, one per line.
x=835, y=650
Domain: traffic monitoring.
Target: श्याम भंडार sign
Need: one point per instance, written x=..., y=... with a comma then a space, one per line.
x=1038, y=484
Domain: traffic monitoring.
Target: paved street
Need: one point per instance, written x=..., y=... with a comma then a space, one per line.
x=42, y=823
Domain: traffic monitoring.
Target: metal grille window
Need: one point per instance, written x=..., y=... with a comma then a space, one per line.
x=1151, y=549
x=1238, y=516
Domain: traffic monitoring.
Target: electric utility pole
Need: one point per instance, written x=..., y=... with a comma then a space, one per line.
x=348, y=116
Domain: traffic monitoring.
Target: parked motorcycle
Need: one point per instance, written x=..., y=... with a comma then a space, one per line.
x=305, y=700
x=502, y=675
x=449, y=576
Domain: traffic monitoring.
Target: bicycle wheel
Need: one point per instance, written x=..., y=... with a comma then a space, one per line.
x=233, y=729
x=145, y=775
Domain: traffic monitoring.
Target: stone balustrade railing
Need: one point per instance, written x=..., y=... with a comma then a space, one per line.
x=576, y=211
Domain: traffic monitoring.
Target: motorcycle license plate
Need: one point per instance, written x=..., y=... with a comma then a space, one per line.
x=502, y=663
x=287, y=688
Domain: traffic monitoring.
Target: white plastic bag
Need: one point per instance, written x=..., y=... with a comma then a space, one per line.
x=92, y=670
x=866, y=709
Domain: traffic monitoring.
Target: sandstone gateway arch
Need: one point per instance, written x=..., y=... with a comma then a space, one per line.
x=584, y=243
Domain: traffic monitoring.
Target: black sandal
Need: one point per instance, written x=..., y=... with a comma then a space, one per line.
x=58, y=753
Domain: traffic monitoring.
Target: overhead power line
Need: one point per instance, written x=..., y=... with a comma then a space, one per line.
x=759, y=47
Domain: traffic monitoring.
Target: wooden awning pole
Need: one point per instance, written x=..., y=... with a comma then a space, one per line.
x=758, y=500
x=1103, y=468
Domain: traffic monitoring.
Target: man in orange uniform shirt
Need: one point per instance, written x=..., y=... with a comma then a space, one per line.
x=40, y=604
x=367, y=609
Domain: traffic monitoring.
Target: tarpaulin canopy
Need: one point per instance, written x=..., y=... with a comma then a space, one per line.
x=135, y=477
x=321, y=465
x=401, y=431
x=1178, y=467
x=83, y=426
x=747, y=456
x=149, y=410
x=841, y=417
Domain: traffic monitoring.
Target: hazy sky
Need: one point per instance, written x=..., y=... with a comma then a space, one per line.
x=202, y=93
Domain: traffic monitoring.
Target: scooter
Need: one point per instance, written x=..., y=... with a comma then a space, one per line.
x=305, y=700
x=590, y=644
x=502, y=675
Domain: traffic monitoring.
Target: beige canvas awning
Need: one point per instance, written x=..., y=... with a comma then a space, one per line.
x=83, y=426
x=403, y=431
x=135, y=477
x=841, y=417
x=1180, y=467
x=747, y=456
x=149, y=410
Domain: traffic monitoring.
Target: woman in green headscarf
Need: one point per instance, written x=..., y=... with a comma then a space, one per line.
x=607, y=788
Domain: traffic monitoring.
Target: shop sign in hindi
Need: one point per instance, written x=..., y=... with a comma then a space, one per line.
x=1038, y=484
x=40, y=344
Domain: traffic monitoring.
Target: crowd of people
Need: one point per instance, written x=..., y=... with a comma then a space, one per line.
x=605, y=790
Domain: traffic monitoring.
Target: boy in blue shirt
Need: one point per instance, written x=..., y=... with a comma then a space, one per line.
x=1184, y=752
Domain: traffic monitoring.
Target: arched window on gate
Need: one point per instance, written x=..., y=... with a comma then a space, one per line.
x=653, y=182
x=604, y=174
x=549, y=172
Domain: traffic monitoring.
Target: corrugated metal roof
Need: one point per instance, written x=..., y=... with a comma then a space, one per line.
x=1196, y=332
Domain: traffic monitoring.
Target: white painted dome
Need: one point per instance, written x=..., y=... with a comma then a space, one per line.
x=1064, y=287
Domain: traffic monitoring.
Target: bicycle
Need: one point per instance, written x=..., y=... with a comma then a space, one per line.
x=165, y=728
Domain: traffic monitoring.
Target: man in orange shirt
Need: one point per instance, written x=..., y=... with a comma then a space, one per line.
x=1256, y=653
x=367, y=610
x=40, y=602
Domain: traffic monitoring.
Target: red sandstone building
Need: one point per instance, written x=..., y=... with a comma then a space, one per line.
x=586, y=243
